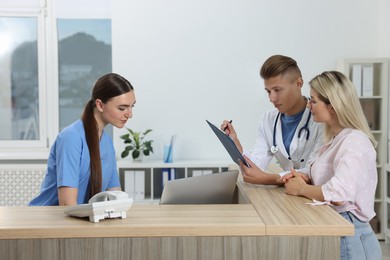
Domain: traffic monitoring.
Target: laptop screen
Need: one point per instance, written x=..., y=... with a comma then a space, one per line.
x=217, y=188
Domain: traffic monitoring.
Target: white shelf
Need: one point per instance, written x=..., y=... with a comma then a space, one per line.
x=176, y=164
x=371, y=97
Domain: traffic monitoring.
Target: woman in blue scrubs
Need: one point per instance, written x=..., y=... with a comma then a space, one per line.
x=82, y=159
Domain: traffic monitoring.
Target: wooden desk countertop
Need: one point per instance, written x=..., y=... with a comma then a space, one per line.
x=141, y=221
x=270, y=212
x=288, y=215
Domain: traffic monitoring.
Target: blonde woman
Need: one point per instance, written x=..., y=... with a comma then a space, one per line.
x=344, y=173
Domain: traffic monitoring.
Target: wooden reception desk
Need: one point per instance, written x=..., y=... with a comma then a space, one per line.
x=272, y=225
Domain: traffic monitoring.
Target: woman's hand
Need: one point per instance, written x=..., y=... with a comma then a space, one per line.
x=299, y=185
x=295, y=183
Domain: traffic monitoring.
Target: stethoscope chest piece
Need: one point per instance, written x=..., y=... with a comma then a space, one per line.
x=274, y=149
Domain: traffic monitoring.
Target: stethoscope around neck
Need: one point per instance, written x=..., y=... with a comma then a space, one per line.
x=305, y=128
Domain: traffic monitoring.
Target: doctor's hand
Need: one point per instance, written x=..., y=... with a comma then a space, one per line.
x=290, y=175
x=228, y=129
x=255, y=175
x=295, y=184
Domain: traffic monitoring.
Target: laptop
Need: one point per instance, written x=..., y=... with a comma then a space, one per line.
x=216, y=188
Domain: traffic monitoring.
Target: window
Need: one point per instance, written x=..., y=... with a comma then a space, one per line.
x=51, y=53
x=19, y=107
x=84, y=54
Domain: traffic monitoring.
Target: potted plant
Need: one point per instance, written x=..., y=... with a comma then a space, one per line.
x=136, y=143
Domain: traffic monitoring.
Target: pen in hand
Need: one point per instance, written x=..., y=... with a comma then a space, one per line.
x=226, y=127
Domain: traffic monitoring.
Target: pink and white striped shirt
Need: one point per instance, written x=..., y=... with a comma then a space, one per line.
x=345, y=168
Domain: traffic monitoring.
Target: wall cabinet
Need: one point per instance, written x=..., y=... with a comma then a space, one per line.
x=144, y=181
x=371, y=80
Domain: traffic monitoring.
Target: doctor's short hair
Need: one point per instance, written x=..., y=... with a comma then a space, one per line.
x=334, y=88
x=277, y=65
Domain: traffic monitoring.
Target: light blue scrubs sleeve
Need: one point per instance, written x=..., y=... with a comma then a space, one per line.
x=68, y=151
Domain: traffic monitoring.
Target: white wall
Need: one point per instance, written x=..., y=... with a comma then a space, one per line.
x=196, y=59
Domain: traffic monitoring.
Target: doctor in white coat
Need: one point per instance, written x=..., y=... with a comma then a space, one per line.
x=287, y=132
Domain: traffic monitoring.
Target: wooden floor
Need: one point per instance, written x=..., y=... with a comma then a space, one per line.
x=385, y=250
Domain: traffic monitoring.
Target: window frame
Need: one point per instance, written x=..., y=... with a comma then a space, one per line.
x=32, y=149
x=47, y=14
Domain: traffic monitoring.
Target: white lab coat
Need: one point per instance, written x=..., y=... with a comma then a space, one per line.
x=300, y=149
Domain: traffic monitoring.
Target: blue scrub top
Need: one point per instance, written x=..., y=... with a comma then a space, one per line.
x=289, y=126
x=69, y=165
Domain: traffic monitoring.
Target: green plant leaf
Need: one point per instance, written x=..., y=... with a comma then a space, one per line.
x=136, y=138
x=124, y=154
x=131, y=131
x=135, y=154
x=129, y=148
x=136, y=143
x=147, y=131
x=125, y=137
x=148, y=146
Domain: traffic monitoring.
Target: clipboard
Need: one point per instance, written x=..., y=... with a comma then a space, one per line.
x=229, y=145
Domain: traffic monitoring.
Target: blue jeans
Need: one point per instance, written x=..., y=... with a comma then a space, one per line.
x=363, y=245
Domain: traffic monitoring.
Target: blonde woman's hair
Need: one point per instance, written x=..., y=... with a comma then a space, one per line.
x=336, y=89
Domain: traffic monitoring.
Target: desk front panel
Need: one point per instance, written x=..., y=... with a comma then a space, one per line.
x=173, y=248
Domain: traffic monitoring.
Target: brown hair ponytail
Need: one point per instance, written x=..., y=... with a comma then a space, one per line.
x=106, y=87
x=92, y=138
